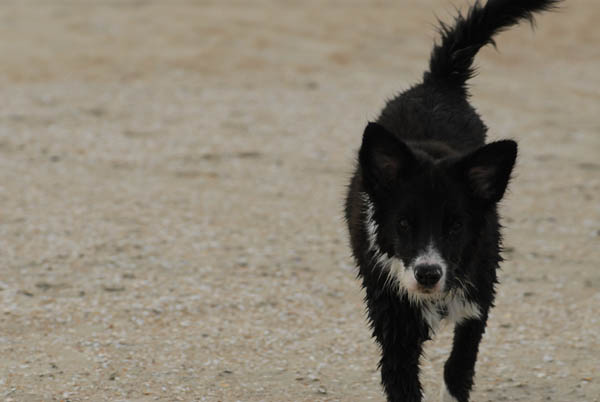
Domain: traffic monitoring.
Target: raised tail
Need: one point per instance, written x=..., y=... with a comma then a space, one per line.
x=451, y=62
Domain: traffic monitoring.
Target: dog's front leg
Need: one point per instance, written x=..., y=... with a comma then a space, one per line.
x=460, y=366
x=400, y=369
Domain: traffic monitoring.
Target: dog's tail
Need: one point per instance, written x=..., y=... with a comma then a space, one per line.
x=451, y=63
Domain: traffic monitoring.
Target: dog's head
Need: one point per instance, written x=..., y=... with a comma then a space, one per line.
x=423, y=215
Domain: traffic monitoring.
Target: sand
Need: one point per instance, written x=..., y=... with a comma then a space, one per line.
x=172, y=177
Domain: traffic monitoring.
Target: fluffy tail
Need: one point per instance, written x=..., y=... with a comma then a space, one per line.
x=451, y=63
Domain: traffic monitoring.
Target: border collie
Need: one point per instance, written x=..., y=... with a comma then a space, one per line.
x=422, y=209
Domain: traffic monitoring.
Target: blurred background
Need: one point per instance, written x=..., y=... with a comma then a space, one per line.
x=172, y=177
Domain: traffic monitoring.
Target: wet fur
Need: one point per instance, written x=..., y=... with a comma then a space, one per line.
x=425, y=160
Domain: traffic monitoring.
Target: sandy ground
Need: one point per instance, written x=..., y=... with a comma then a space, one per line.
x=171, y=185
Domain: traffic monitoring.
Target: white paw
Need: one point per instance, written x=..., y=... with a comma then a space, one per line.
x=445, y=395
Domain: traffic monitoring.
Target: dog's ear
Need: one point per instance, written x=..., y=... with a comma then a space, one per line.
x=383, y=158
x=487, y=170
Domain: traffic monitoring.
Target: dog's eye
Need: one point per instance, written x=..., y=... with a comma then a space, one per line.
x=403, y=225
x=455, y=227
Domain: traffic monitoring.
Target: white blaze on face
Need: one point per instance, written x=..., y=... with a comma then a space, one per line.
x=431, y=256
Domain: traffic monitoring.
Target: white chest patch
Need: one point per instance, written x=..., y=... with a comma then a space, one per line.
x=452, y=306
x=460, y=309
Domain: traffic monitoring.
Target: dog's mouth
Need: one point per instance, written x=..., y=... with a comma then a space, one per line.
x=430, y=290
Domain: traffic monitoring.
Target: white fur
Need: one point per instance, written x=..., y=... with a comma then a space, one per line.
x=460, y=309
x=431, y=315
x=432, y=305
x=445, y=395
x=454, y=303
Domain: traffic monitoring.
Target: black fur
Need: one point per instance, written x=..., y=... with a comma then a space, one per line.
x=423, y=200
x=451, y=61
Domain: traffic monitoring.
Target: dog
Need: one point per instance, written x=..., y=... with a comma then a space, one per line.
x=422, y=212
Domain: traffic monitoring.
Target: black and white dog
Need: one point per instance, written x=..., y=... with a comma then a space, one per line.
x=422, y=209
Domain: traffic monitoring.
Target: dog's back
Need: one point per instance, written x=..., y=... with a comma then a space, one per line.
x=438, y=108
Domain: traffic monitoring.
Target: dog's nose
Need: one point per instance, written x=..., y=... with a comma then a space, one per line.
x=428, y=275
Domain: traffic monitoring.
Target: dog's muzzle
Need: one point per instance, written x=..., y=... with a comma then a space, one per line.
x=428, y=275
